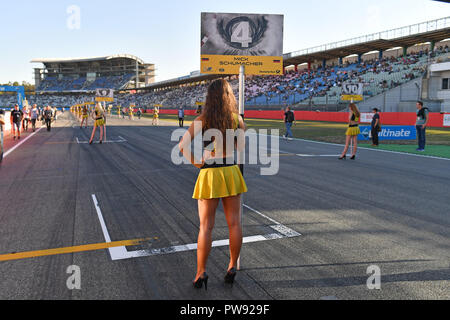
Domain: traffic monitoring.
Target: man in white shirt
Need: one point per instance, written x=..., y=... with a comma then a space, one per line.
x=34, y=117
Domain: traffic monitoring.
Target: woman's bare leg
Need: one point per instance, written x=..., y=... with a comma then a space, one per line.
x=101, y=133
x=207, y=212
x=93, y=133
x=232, y=207
x=347, y=146
x=355, y=145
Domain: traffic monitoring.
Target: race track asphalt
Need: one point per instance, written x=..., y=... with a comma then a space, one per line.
x=384, y=209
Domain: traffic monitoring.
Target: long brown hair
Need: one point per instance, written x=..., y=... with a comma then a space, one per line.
x=355, y=110
x=219, y=107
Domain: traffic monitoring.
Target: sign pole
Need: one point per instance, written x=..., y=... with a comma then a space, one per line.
x=241, y=154
x=351, y=145
x=104, y=118
x=1, y=141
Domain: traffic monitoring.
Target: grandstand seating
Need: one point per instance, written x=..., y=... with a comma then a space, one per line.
x=320, y=87
x=52, y=84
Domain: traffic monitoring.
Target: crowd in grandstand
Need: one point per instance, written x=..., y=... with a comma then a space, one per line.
x=319, y=85
x=53, y=84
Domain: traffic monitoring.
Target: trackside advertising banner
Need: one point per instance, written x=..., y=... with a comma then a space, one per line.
x=447, y=120
x=390, y=133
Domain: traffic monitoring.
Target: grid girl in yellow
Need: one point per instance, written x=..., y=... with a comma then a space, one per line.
x=99, y=118
x=352, y=132
x=85, y=116
x=220, y=178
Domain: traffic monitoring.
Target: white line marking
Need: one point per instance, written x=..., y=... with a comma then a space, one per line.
x=121, y=253
x=280, y=228
x=192, y=247
x=318, y=155
x=115, y=253
x=262, y=215
x=102, y=221
x=7, y=153
x=97, y=142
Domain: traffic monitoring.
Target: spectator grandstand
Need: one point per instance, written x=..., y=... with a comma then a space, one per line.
x=319, y=86
x=116, y=72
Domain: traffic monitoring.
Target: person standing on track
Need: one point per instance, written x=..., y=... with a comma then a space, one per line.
x=289, y=120
x=16, y=120
x=26, y=118
x=220, y=178
x=85, y=116
x=55, y=114
x=100, y=121
x=139, y=113
x=181, y=117
x=130, y=113
x=423, y=116
x=156, y=116
x=352, y=132
x=376, y=128
x=34, y=117
x=47, y=116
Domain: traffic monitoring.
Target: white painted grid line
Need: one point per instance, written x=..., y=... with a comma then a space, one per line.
x=96, y=142
x=102, y=221
x=121, y=253
x=7, y=153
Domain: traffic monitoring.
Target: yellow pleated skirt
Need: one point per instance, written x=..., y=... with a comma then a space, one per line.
x=353, y=131
x=100, y=123
x=218, y=183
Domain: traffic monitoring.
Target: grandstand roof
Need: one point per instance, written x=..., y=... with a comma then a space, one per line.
x=75, y=60
x=180, y=81
x=435, y=30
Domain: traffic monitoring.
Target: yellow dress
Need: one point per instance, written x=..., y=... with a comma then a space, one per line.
x=353, y=130
x=220, y=182
x=99, y=120
x=85, y=113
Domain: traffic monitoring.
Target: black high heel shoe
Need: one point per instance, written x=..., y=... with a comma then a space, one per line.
x=353, y=157
x=230, y=276
x=343, y=158
x=202, y=280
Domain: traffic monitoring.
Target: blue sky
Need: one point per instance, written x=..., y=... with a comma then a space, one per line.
x=167, y=33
